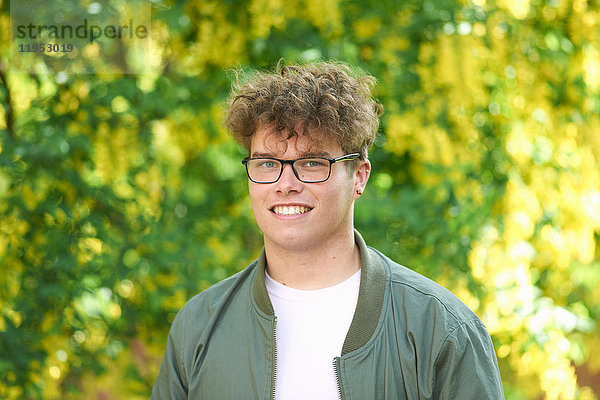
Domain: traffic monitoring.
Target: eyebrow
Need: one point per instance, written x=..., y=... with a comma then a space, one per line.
x=302, y=155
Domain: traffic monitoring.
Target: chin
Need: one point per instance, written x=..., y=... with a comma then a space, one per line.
x=293, y=240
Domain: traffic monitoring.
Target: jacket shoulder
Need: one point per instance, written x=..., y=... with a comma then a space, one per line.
x=421, y=294
x=193, y=323
x=218, y=293
x=191, y=330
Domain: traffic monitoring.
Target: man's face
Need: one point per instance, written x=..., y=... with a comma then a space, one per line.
x=320, y=212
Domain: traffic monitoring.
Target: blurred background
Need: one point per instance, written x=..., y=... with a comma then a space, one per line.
x=121, y=195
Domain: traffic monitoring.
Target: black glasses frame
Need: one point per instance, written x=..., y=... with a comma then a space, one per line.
x=347, y=157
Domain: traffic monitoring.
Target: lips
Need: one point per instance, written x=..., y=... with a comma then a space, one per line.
x=290, y=210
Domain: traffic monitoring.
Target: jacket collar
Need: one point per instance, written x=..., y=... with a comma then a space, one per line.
x=370, y=296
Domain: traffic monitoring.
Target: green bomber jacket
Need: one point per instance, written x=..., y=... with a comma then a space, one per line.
x=409, y=339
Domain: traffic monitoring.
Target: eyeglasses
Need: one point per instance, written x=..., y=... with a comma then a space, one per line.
x=308, y=169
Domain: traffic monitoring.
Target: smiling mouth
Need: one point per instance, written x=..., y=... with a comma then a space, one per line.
x=290, y=210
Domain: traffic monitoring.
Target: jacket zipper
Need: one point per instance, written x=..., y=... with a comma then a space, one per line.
x=274, y=358
x=336, y=369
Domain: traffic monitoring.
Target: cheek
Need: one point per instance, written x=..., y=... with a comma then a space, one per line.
x=255, y=197
x=340, y=198
x=345, y=185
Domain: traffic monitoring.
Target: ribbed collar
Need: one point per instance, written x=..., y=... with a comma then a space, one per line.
x=370, y=297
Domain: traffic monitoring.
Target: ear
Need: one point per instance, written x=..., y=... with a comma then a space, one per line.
x=361, y=176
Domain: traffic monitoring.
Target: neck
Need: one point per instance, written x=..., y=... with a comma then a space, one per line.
x=318, y=267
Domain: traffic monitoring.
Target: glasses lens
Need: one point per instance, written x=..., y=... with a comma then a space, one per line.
x=264, y=170
x=312, y=169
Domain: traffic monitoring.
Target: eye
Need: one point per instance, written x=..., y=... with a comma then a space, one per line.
x=314, y=163
x=267, y=164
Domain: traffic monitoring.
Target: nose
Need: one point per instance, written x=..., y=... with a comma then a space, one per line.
x=287, y=181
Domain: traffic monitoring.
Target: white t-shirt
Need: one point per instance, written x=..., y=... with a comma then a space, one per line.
x=311, y=328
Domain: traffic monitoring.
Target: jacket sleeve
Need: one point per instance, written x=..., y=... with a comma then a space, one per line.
x=466, y=366
x=171, y=382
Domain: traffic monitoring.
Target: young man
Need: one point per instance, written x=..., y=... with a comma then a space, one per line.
x=320, y=315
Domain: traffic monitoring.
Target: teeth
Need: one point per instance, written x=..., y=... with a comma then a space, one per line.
x=290, y=210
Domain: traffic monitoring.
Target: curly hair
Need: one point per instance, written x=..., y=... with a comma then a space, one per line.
x=322, y=100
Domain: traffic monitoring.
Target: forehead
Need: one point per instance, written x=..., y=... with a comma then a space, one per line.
x=267, y=142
